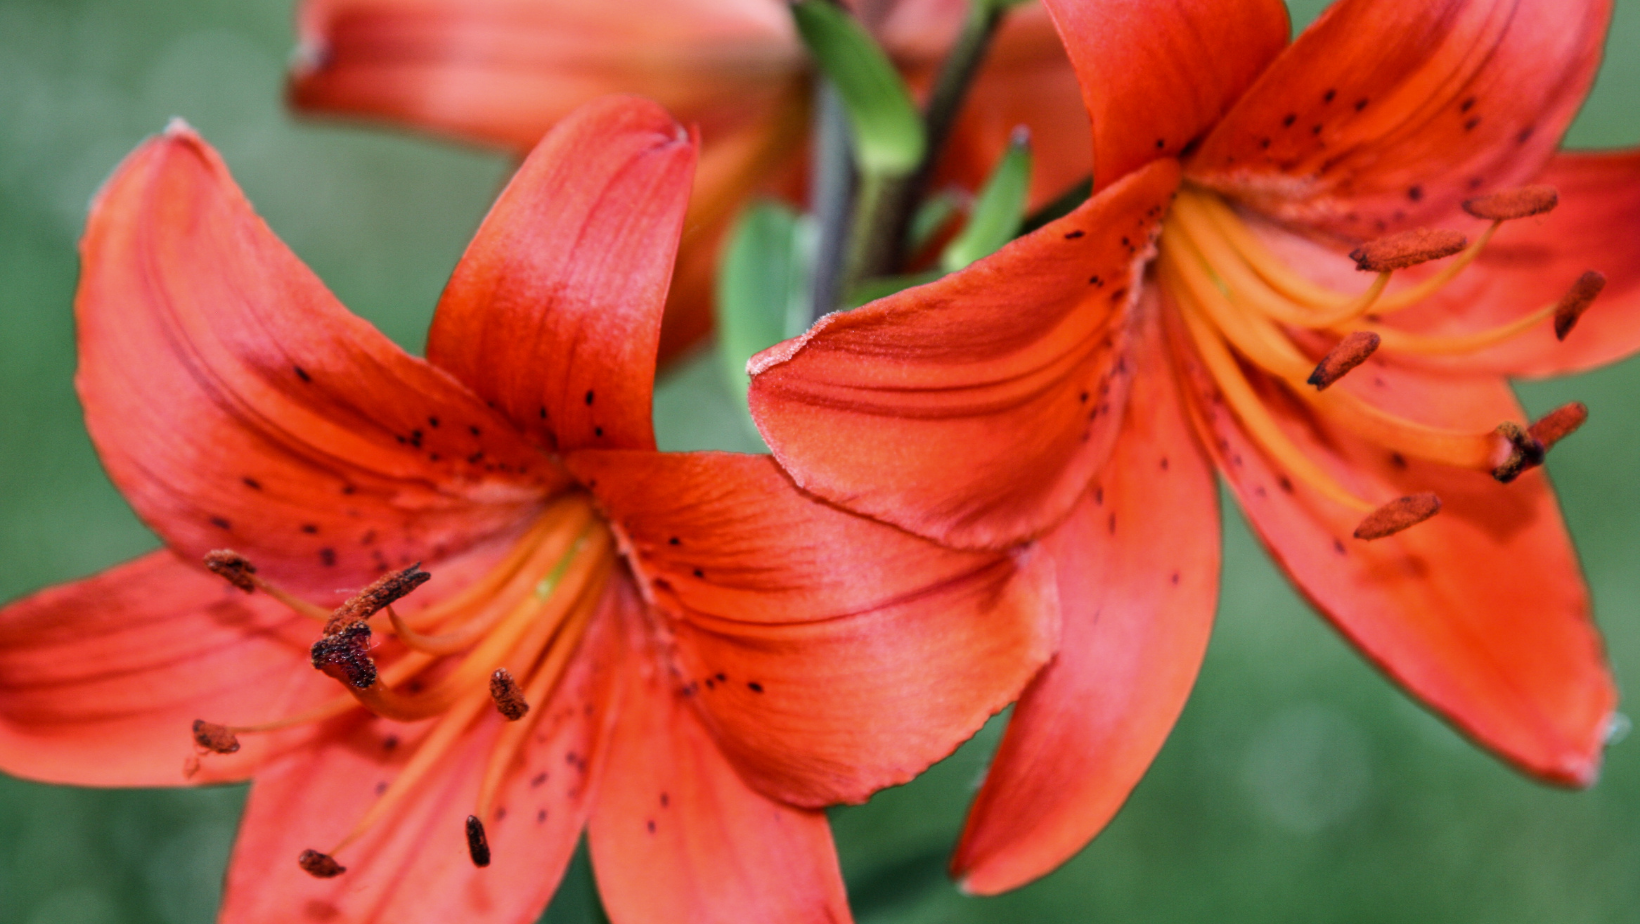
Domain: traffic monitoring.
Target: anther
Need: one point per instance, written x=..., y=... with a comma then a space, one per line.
x=1559, y=423
x=1526, y=452
x=1399, y=514
x=1576, y=301
x=478, y=846
x=386, y=591
x=508, y=695
x=232, y=567
x=1350, y=352
x=345, y=656
x=1509, y=204
x=1409, y=248
x=213, y=737
x=319, y=865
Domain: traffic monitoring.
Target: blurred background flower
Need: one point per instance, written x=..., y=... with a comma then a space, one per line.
x=1297, y=785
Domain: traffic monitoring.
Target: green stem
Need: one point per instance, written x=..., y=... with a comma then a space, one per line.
x=831, y=194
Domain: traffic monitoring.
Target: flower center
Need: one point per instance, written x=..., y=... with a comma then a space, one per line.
x=1246, y=310
x=503, y=642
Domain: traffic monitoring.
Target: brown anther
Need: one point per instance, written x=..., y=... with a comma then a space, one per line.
x=320, y=865
x=1559, y=423
x=1409, y=248
x=386, y=591
x=1526, y=452
x=1509, y=204
x=1398, y=514
x=345, y=655
x=1576, y=301
x=213, y=737
x=478, y=846
x=232, y=567
x=1352, y=351
x=508, y=695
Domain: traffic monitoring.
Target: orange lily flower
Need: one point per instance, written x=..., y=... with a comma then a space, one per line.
x=1081, y=385
x=679, y=650
x=502, y=72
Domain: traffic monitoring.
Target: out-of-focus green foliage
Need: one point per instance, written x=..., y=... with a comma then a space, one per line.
x=1299, y=785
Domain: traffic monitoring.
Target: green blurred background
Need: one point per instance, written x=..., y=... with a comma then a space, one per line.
x=1299, y=785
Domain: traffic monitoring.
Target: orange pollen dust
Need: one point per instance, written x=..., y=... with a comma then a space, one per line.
x=502, y=642
x=1256, y=323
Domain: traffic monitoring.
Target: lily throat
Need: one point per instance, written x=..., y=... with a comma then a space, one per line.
x=501, y=644
x=1256, y=322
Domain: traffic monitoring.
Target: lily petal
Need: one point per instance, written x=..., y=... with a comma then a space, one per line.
x=101, y=679
x=1157, y=75
x=1138, y=564
x=1532, y=263
x=235, y=403
x=1481, y=612
x=1385, y=114
x=832, y=655
x=972, y=410
x=678, y=835
x=554, y=312
x=505, y=71
x=413, y=867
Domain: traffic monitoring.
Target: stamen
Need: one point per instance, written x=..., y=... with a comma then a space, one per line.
x=1397, y=515
x=237, y=570
x=1559, y=423
x=216, y=738
x=384, y=592
x=345, y=656
x=1409, y=248
x=319, y=865
x=1576, y=301
x=1526, y=452
x=1509, y=204
x=478, y=846
x=232, y=567
x=1352, y=351
x=508, y=696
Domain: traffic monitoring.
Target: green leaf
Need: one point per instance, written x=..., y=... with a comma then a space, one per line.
x=998, y=211
x=932, y=216
x=762, y=286
x=887, y=128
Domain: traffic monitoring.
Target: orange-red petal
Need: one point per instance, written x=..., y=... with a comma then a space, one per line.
x=235, y=403
x=677, y=835
x=1481, y=612
x=412, y=867
x=1385, y=114
x=1157, y=75
x=554, y=312
x=1532, y=263
x=1138, y=565
x=832, y=655
x=101, y=679
x=974, y=409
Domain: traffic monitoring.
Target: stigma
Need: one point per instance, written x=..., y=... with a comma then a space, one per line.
x=489, y=649
x=1251, y=317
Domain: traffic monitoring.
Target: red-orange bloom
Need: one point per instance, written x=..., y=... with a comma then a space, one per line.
x=1199, y=312
x=503, y=71
x=697, y=655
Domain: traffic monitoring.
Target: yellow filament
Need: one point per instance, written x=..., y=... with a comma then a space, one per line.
x=567, y=517
x=1406, y=298
x=400, y=671
x=437, y=743
x=297, y=604
x=536, y=693
x=1250, y=409
x=1405, y=341
x=527, y=630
